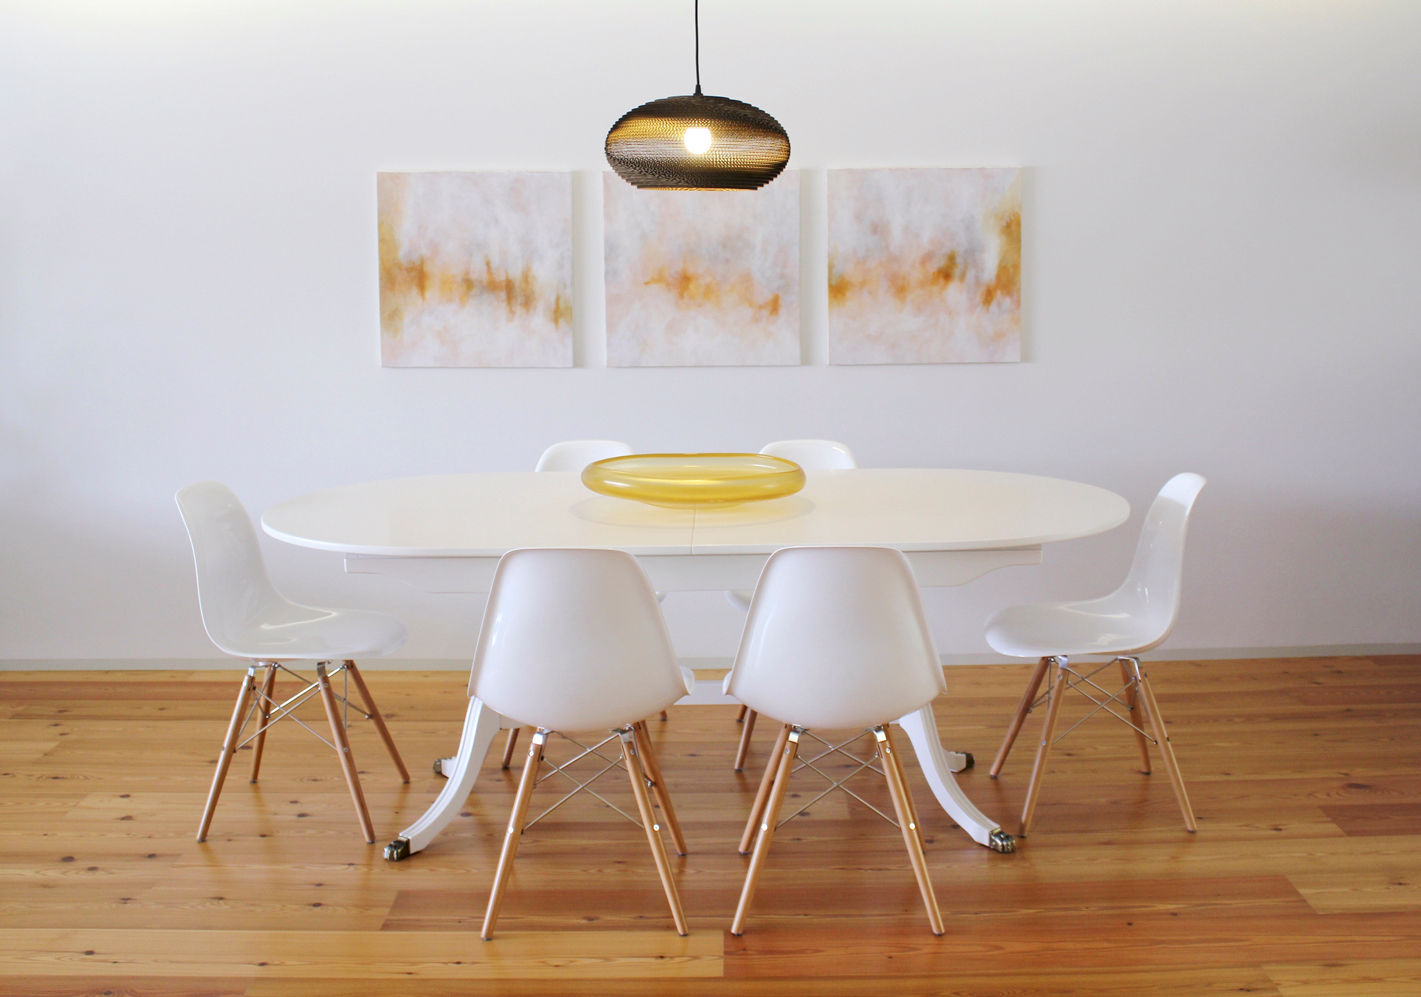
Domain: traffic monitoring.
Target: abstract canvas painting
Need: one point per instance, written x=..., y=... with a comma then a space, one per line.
x=924, y=266
x=702, y=278
x=475, y=269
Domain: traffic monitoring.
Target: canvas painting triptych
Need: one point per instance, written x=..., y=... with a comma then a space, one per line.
x=924, y=267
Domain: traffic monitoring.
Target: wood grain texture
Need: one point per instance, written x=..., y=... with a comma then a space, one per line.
x=1303, y=880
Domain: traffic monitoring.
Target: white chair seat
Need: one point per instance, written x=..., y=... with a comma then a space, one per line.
x=1100, y=626
x=294, y=632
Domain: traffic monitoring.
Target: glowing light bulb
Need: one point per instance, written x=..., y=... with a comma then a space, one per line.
x=697, y=140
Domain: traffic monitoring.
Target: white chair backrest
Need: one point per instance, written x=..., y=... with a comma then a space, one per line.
x=812, y=455
x=233, y=590
x=573, y=639
x=574, y=455
x=836, y=637
x=1151, y=590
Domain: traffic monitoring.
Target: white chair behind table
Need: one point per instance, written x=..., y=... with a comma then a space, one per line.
x=1135, y=618
x=821, y=455
x=812, y=455
x=835, y=638
x=574, y=455
x=573, y=640
x=246, y=617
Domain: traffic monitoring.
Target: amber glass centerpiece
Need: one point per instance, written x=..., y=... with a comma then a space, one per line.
x=691, y=479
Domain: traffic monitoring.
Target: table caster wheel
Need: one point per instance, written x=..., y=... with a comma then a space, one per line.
x=397, y=850
x=1000, y=841
x=438, y=766
x=967, y=760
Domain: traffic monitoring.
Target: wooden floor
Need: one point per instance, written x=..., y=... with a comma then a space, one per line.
x=1303, y=879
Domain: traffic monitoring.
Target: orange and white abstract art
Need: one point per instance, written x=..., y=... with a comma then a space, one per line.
x=702, y=278
x=475, y=269
x=924, y=266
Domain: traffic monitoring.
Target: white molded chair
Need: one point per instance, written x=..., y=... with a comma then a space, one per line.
x=1133, y=619
x=822, y=455
x=573, y=640
x=246, y=617
x=569, y=455
x=574, y=455
x=835, y=638
x=812, y=455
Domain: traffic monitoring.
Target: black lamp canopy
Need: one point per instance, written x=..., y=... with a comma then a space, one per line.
x=697, y=142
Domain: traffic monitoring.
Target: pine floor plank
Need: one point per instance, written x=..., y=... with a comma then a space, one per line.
x=1348, y=978
x=374, y=955
x=1397, y=887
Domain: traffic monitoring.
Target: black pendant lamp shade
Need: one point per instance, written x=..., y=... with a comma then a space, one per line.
x=654, y=145
x=697, y=142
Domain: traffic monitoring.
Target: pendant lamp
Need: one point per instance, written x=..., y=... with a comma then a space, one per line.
x=697, y=142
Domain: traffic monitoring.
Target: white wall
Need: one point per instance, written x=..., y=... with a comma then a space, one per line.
x=1221, y=236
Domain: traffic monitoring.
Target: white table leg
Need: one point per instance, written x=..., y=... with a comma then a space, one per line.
x=480, y=725
x=921, y=728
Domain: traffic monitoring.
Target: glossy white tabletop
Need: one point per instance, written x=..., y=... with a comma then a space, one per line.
x=481, y=514
x=914, y=509
x=484, y=514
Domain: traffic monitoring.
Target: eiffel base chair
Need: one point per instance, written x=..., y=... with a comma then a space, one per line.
x=246, y=617
x=573, y=640
x=1135, y=618
x=835, y=639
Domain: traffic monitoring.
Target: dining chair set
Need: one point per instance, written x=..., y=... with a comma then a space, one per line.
x=835, y=639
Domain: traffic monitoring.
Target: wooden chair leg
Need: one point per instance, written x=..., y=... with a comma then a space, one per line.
x=745, y=734
x=263, y=717
x=347, y=761
x=515, y=830
x=767, y=782
x=652, y=767
x=908, y=822
x=1022, y=710
x=1048, y=732
x=229, y=748
x=908, y=799
x=373, y=712
x=509, y=745
x=785, y=759
x=1166, y=750
x=638, y=775
x=1132, y=705
x=740, y=714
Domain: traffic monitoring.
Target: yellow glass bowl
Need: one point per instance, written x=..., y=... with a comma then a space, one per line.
x=690, y=479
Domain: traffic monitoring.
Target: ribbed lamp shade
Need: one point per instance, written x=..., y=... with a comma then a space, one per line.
x=697, y=142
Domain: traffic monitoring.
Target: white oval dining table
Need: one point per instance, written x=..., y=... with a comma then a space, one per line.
x=445, y=533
